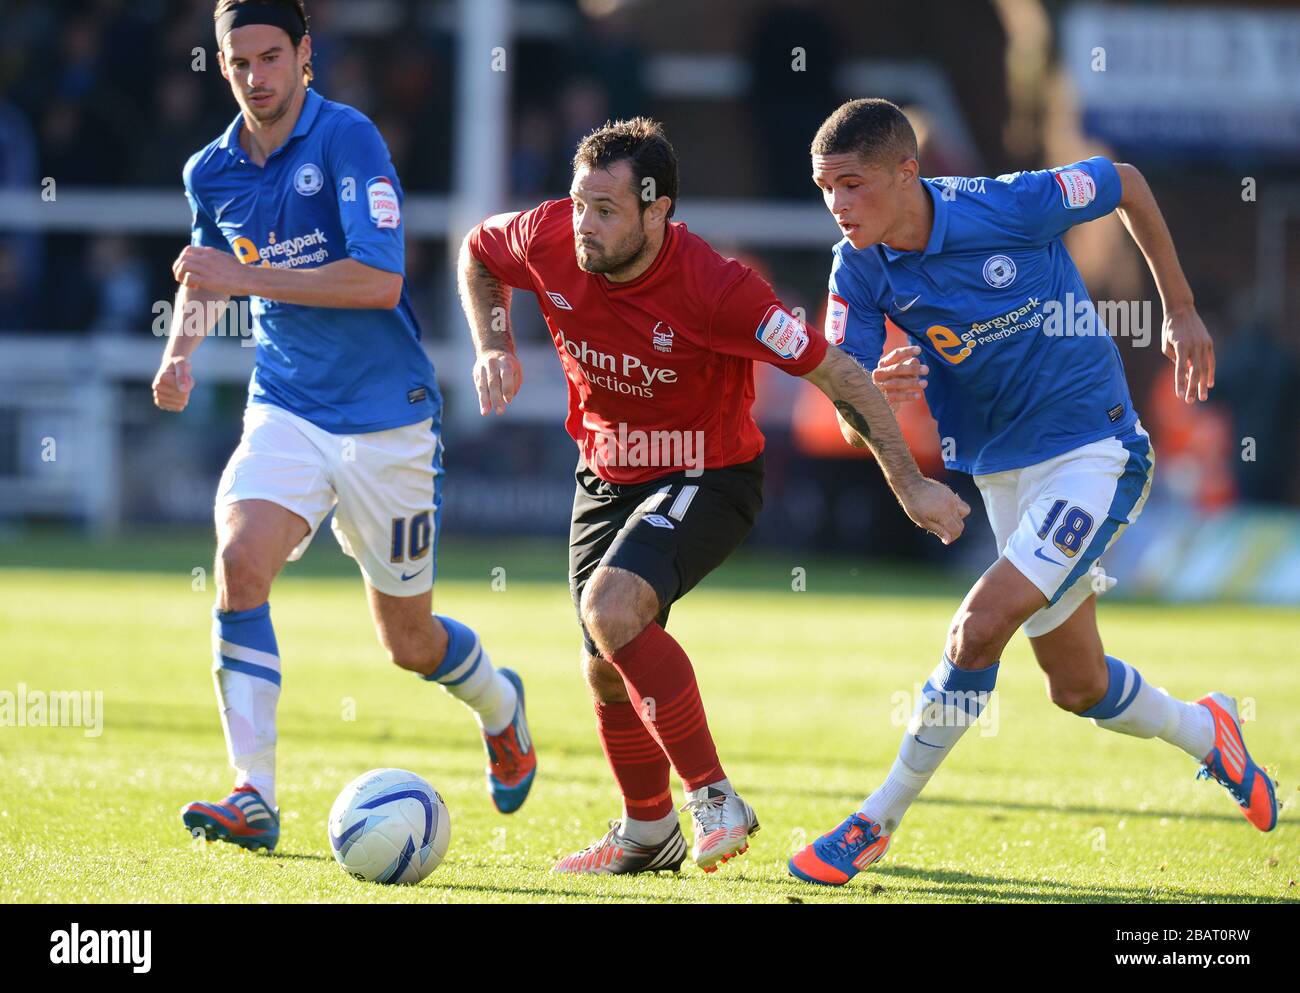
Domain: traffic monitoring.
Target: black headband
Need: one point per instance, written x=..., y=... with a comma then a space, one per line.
x=245, y=14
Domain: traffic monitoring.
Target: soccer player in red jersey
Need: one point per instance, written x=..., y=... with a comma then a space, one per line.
x=658, y=335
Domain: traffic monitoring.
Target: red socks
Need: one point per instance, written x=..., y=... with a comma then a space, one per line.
x=665, y=696
x=639, y=764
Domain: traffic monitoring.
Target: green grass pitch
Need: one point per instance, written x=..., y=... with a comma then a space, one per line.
x=802, y=693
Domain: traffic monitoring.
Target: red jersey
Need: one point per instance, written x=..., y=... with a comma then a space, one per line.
x=660, y=370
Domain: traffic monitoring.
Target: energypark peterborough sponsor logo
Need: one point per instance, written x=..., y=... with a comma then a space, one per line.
x=623, y=373
x=632, y=448
x=287, y=253
x=1054, y=318
x=956, y=348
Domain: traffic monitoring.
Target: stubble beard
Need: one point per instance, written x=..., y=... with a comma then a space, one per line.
x=627, y=255
x=267, y=118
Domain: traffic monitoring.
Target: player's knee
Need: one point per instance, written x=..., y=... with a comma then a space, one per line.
x=242, y=582
x=412, y=657
x=611, y=613
x=419, y=649
x=1074, y=695
x=976, y=639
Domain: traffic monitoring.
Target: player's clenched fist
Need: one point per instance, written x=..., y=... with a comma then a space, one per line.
x=936, y=508
x=900, y=375
x=498, y=376
x=173, y=384
x=212, y=270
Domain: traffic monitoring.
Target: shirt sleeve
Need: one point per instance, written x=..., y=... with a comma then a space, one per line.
x=204, y=232
x=1051, y=201
x=369, y=197
x=750, y=322
x=852, y=323
x=501, y=244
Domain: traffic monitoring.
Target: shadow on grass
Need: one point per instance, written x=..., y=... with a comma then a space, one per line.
x=1004, y=888
x=302, y=856
x=543, y=892
x=950, y=884
x=472, y=749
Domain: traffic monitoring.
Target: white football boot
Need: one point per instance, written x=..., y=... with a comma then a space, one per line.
x=723, y=823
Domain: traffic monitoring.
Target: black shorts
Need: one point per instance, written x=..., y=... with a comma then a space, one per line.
x=672, y=531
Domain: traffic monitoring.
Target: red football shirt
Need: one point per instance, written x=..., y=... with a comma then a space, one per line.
x=660, y=370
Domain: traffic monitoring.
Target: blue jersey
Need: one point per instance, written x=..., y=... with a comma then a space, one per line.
x=1021, y=368
x=329, y=193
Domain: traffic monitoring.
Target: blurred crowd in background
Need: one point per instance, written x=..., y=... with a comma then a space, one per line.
x=104, y=94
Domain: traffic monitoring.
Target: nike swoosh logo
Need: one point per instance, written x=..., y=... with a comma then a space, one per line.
x=405, y=577
x=1039, y=553
x=925, y=743
x=908, y=305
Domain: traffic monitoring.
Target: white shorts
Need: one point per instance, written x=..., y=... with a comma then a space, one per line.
x=383, y=486
x=1054, y=520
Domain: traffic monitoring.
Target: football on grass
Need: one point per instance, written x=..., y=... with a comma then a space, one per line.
x=389, y=826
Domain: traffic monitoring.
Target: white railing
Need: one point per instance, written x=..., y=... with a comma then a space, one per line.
x=66, y=394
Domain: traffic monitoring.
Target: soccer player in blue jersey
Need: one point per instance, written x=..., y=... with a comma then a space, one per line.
x=1029, y=393
x=298, y=207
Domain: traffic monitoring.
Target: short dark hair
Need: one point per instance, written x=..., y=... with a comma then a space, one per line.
x=297, y=6
x=872, y=128
x=640, y=142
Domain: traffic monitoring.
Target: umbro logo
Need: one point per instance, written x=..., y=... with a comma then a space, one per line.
x=558, y=300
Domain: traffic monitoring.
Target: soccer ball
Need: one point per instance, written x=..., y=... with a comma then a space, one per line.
x=389, y=826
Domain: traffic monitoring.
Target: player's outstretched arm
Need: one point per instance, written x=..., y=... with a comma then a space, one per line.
x=343, y=285
x=862, y=408
x=486, y=302
x=1183, y=336
x=193, y=316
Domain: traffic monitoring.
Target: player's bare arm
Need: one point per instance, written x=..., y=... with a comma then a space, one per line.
x=486, y=301
x=1183, y=337
x=193, y=316
x=343, y=285
x=867, y=417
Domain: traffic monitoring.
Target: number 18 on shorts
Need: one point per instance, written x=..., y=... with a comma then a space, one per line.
x=1053, y=520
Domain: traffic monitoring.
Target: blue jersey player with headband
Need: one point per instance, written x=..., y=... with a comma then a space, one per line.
x=1030, y=397
x=297, y=206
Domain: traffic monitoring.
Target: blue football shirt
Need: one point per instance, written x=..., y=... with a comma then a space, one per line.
x=329, y=193
x=1021, y=368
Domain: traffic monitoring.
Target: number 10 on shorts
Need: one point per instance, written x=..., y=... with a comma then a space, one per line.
x=1075, y=526
x=420, y=531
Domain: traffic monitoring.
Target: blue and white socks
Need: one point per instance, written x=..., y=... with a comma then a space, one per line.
x=1133, y=706
x=466, y=673
x=951, y=701
x=246, y=672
